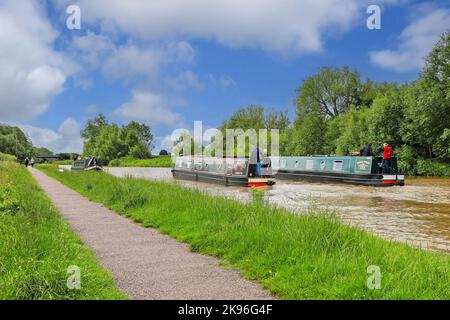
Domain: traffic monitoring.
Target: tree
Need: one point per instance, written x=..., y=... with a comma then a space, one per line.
x=437, y=66
x=163, y=153
x=329, y=93
x=307, y=136
x=41, y=151
x=138, y=138
x=254, y=117
x=14, y=141
x=107, y=141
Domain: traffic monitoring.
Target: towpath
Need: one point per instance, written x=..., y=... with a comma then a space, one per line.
x=145, y=263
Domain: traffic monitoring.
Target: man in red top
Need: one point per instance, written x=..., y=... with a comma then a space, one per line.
x=387, y=155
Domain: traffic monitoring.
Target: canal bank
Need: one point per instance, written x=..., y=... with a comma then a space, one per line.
x=418, y=213
x=294, y=256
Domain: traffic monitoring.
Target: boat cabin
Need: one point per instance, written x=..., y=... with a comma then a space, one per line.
x=225, y=171
x=350, y=169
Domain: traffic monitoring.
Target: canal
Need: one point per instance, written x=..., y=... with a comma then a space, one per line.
x=418, y=213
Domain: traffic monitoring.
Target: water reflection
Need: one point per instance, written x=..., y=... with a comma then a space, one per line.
x=418, y=213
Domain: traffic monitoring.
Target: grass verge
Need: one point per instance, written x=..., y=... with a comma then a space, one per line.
x=312, y=256
x=157, y=162
x=37, y=247
x=7, y=157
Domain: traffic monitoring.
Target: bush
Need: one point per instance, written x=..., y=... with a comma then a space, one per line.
x=155, y=161
x=7, y=157
x=432, y=168
x=407, y=160
x=114, y=163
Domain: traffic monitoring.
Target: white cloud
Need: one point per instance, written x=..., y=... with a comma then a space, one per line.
x=292, y=26
x=415, y=41
x=130, y=61
x=150, y=108
x=66, y=139
x=222, y=80
x=32, y=72
x=185, y=80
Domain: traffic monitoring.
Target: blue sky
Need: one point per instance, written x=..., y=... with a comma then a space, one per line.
x=172, y=62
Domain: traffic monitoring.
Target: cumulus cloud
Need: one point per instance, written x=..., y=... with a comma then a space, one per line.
x=66, y=139
x=223, y=80
x=32, y=72
x=294, y=26
x=415, y=41
x=130, y=61
x=150, y=108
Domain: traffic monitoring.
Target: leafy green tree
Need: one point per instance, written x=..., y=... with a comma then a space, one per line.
x=254, y=117
x=437, y=67
x=107, y=141
x=14, y=141
x=138, y=138
x=308, y=136
x=330, y=92
x=41, y=151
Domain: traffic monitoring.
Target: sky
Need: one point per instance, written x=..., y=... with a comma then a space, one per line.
x=168, y=63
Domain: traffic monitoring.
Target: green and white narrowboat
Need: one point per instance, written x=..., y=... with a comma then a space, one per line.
x=351, y=169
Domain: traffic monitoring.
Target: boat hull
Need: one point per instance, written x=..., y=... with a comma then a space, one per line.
x=236, y=181
x=377, y=180
x=205, y=177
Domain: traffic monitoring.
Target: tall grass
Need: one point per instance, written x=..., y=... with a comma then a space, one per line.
x=295, y=257
x=156, y=161
x=37, y=246
x=7, y=157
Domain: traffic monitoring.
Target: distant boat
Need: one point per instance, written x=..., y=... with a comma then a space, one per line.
x=86, y=165
x=353, y=169
x=224, y=171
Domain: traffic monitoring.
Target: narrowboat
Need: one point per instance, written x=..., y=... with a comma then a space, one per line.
x=223, y=171
x=86, y=165
x=351, y=169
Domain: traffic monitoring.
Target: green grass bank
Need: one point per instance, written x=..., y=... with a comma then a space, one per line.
x=37, y=246
x=7, y=157
x=156, y=162
x=310, y=256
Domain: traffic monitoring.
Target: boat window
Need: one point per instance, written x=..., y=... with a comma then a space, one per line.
x=322, y=164
x=309, y=164
x=296, y=164
x=338, y=164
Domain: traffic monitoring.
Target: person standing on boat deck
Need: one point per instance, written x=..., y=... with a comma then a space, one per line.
x=387, y=155
x=367, y=151
x=255, y=163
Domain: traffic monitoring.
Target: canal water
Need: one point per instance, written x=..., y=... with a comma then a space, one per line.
x=418, y=213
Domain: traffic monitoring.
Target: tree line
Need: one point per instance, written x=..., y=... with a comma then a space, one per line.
x=338, y=113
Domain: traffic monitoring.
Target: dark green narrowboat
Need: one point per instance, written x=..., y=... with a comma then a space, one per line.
x=351, y=169
x=224, y=171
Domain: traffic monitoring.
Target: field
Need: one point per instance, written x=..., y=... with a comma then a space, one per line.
x=37, y=247
x=157, y=161
x=311, y=256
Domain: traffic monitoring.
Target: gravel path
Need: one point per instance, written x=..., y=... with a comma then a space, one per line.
x=145, y=263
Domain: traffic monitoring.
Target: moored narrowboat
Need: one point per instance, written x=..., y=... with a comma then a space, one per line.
x=86, y=165
x=352, y=169
x=224, y=171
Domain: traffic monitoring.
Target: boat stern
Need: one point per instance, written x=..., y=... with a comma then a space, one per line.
x=260, y=182
x=393, y=180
